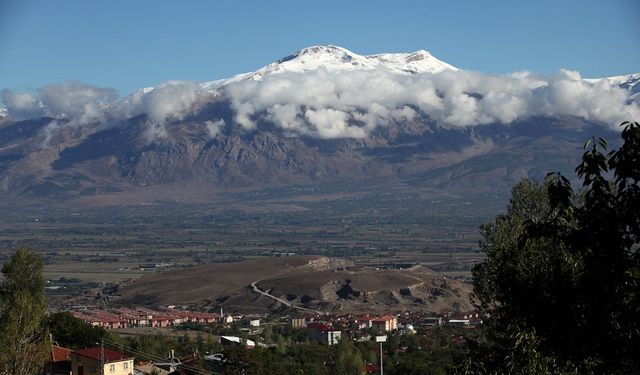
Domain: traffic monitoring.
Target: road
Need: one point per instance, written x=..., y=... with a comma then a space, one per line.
x=255, y=288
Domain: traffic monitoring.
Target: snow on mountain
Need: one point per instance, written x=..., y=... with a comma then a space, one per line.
x=338, y=59
x=630, y=82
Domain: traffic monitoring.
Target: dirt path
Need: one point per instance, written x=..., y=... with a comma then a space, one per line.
x=255, y=288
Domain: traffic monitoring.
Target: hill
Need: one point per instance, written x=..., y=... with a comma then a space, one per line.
x=314, y=283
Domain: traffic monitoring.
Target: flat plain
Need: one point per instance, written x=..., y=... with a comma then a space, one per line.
x=89, y=249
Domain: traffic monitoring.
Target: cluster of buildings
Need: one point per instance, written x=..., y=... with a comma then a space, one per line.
x=324, y=329
x=123, y=317
x=328, y=329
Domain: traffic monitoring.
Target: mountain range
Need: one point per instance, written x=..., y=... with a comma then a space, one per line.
x=321, y=116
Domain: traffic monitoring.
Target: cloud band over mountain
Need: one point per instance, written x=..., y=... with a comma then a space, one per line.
x=328, y=103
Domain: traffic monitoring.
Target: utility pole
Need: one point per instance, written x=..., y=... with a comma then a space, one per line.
x=102, y=356
x=381, y=339
x=381, y=371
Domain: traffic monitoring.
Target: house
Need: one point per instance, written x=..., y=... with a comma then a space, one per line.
x=361, y=322
x=433, y=321
x=298, y=322
x=87, y=362
x=59, y=362
x=98, y=318
x=458, y=322
x=385, y=323
x=323, y=333
x=235, y=340
x=254, y=323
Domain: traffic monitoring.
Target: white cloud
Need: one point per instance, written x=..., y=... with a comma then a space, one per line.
x=329, y=123
x=21, y=105
x=350, y=104
x=79, y=102
x=214, y=127
x=172, y=100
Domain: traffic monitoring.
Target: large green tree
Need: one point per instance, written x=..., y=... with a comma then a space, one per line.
x=561, y=278
x=23, y=338
x=71, y=332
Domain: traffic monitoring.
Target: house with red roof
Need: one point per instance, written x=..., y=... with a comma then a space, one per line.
x=59, y=362
x=386, y=323
x=88, y=362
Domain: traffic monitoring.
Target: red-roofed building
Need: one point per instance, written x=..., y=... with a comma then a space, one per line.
x=323, y=333
x=87, y=362
x=59, y=361
x=385, y=323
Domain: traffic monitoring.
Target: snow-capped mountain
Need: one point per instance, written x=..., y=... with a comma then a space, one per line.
x=323, y=115
x=338, y=59
x=629, y=82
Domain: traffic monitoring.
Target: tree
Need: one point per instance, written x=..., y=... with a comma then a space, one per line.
x=72, y=332
x=346, y=359
x=23, y=337
x=562, y=270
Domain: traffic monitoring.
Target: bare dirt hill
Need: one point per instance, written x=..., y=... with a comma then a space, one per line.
x=211, y=282
x=316, y=283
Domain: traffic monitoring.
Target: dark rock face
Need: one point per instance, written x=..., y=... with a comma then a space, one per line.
x=96, y=160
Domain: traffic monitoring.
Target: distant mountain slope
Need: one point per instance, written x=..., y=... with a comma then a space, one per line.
x=324, y=115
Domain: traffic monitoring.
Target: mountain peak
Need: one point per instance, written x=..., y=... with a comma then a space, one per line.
x=324, y=49
x=320, y=52
x=336, y=59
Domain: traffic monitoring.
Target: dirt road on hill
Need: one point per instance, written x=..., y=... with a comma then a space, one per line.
x=255, y=288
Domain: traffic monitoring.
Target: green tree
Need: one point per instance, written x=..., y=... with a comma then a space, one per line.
x=23, y=337
x=347, y=359
x=71, y=332
x=562, y=269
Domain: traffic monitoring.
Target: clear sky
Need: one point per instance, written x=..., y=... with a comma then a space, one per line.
x=136, y=43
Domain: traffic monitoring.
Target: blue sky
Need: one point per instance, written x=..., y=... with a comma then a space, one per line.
x=131, y=44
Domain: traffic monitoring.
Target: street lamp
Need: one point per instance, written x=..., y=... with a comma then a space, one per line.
x=381, y=339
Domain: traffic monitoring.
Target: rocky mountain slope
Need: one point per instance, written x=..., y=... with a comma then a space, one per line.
x=324, y=115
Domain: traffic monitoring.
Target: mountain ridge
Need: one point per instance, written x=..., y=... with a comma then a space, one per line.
x=289, y=123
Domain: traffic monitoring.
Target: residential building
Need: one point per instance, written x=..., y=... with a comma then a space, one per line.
x=323, y=333
x=385, y=323
x=432, y=321
x=298, y=322
x=87, y=362
x=235, y=340
x=254, y=323
x=59, y=362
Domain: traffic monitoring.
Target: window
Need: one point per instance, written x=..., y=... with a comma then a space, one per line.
x=126, y=365
x=112, y=368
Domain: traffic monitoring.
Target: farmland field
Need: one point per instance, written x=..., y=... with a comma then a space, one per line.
x=96, y=247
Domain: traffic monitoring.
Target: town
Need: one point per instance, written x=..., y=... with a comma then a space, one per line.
x=232, y=331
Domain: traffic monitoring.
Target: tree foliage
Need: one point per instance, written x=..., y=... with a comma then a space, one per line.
x=71, y=332
x=562, y=272
x=23, y=338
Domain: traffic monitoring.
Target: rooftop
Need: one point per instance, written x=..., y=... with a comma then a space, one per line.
x=109, y=355
x=60, y=354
